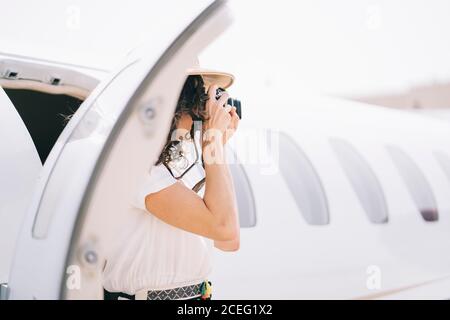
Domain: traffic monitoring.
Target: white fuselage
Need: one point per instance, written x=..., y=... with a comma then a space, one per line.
x=285, y=257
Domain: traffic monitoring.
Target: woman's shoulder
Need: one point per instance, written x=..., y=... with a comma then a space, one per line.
x=157, y=178
x=158, y=170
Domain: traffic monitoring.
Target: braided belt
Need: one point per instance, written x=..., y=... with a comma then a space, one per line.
x=175, y=293
x=200, y=290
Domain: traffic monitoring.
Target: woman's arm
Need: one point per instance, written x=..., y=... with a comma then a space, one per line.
x=214, y=216
x=234, y=244
x=220, y=173
x=181, y=207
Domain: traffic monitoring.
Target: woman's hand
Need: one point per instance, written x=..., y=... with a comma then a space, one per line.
x=219, y=117
x=232, y=127
x=222, y=119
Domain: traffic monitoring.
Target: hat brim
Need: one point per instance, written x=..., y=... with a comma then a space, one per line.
x=222, y=79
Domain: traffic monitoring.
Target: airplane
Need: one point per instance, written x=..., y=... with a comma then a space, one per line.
x=337, y=199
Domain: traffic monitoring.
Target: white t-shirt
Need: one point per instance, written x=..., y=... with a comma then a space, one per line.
x=152, y=254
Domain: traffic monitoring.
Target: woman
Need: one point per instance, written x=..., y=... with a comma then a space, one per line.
x=166, y=252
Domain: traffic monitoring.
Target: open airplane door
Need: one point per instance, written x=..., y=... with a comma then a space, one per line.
x=88, y=181
x=19, y=171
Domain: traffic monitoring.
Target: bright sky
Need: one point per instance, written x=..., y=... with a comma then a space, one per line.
x=347, y=47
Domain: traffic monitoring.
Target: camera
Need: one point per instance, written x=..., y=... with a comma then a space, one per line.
x=232, y=102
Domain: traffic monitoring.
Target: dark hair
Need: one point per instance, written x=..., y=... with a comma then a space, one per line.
x=192, y=101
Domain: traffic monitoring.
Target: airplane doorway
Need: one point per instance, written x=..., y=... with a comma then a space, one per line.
x=45, y=115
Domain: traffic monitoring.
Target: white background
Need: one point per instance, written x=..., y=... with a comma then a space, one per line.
x=275, y=48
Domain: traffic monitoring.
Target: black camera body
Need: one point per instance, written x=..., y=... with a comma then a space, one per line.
x=232, y=102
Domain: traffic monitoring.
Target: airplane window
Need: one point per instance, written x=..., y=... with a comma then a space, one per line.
x=244, y=195
x=363, y=180
x=444, y=162
x=303, y=182
x=416, y=183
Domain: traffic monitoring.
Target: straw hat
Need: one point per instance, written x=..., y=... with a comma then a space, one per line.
x=222, y=79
